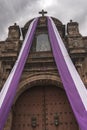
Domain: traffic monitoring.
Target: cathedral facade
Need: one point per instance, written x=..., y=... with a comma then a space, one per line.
x=41, y=102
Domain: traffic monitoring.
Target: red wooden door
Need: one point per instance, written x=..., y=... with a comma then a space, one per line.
x=43, y=108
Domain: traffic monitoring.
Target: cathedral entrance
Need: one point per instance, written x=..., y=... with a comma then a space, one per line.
x=43, y=108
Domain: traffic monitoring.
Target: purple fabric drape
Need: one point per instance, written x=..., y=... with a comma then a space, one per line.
x=9, y=90
x=75, y=89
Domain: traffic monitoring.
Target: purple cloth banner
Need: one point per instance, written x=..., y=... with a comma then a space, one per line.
x=9, y=89
x=73, y=85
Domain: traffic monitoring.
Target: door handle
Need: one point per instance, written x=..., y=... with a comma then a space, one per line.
x=33, y=121
x=56, y=119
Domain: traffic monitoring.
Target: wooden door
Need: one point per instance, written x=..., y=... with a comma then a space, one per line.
x=43, y=108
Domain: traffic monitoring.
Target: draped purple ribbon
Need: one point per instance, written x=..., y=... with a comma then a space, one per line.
x=9, y=89
x=73, y=85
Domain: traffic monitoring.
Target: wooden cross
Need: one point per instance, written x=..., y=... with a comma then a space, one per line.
x=43, y=12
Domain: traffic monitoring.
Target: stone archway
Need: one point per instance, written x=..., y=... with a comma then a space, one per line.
x=42, y=79
x=43, y=106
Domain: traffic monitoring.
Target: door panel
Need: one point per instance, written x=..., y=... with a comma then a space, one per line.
x=43, y=108
x=28, y=110
x=59, y=114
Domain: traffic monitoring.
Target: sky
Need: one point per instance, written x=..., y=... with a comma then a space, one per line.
x=21, y=11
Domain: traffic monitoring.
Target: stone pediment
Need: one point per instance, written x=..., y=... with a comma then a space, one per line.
x=43, y=23
x=57, y=22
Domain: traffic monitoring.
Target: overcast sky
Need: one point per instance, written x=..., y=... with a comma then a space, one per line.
x=21, y=11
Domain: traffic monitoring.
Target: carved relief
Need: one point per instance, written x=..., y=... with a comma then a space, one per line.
x=42, y=21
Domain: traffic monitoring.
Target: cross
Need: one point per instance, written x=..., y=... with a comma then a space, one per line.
x=43, y=12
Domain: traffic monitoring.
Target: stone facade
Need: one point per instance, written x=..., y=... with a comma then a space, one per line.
x=40, y=67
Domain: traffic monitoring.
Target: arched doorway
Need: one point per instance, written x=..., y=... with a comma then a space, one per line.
x=43, y=108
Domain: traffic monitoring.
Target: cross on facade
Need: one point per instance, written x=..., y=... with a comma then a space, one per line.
x=43, y=12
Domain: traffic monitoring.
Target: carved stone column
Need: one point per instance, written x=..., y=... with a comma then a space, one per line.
x=9, y=122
